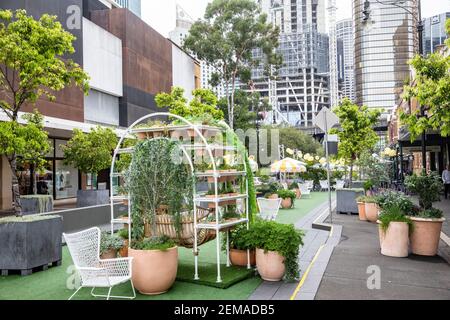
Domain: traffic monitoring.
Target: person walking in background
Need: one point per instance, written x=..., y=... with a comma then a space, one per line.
x=446, y=180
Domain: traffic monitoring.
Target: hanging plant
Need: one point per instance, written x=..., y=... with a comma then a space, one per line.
x=158, y=177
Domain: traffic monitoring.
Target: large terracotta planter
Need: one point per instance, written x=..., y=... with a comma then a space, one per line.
x=380, y=233
x=395, y=241
x=371, y=211
x=298, y=193
x=425, y=236
x=286, y=203
x=154, y=271
x=270, y=265
x=239, y=257
x=362, y=211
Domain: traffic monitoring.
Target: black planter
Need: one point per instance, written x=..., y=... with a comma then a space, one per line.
x=89, y=198
x=30, y=244
x=346, y=200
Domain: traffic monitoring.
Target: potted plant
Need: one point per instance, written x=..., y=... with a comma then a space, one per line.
x=371, y=209
x=90, y=153
x=123, y=233
x=427, y=221
x=394, y=232
x=154, y=179
x=240, y=240
x=361, y=201
x=288, y=197
x=277, y=247
x=269, y=190
x=368, y=185
x=230, y=213
x=294, y=187
x=109, y=245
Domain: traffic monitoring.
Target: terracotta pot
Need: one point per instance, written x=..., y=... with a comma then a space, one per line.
x=371, y=210
x=154, y=271
x=110, y=254
x=394, y=242
x=298, y=193
x=141, y=135
x=362, y=211
x=239, y=257
x=270, y=265
x=273, y=196
x=124, y=251
x=380, y=233
x=425, y=236
x=286, y=203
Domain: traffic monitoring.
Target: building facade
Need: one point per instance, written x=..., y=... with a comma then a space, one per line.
x=383, y=46
x=434, y=33
x=301, y=88
x=128, y=63
x=346, y=58
x=132, y=5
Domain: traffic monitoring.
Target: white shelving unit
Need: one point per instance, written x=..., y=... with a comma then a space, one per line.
x=201, y=143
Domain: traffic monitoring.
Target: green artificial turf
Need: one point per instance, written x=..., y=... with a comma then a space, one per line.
x=302, y=207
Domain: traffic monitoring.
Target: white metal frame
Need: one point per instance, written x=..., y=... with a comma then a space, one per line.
x=84, y=247
x=305, y=190
x=324, y=185
x=197, y=198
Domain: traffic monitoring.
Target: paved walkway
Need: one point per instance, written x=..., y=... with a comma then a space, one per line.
x=346, y=275
x=312, y=266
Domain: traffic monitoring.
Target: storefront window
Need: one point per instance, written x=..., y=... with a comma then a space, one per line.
x=66, y=180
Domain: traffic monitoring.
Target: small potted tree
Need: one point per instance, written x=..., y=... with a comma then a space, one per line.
x=394, y=232
x=109, y=245
x=288, y=197
x=90, y=153
x=294, y=187
x=277, y=247
x=155, y=179
x=428, y=220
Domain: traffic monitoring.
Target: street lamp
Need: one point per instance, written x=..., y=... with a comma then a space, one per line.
x=366, y=17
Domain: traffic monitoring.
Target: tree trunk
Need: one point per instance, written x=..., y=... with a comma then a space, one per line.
x=15, y=187
x=351, y=175
x=233, y=84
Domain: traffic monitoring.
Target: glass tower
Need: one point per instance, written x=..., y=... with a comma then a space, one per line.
x=383, y=46
x=434, y=32
x=344, y=33
x=132, y=5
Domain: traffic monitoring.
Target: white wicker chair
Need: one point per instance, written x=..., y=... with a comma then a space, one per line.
x=310, y=184
x=339, y=184
x=268, y=208
x=84, y=247
x=324, y=185
x=305, y=190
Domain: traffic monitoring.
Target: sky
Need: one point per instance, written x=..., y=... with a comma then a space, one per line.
x=161, y=14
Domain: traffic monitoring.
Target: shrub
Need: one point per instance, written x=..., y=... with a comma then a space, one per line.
x=281, y=238
x=293, y=186
x=110, y=242
x=427, y=187
x=123, y=233
x=393, y=214
x=240, y=238
x=389, y=199
x=162, y=243
x=432, y=213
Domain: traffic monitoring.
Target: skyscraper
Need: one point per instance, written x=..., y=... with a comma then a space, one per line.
x=181, y=31
x=346, y=62
x=434, y=32
x=133, y=5
x=301, y=88
x=383, y=45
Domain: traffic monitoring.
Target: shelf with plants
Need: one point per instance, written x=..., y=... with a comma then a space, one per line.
x=190, y=225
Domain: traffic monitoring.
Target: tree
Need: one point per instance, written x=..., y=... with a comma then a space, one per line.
x=204, y=102
x=246, y=108
x=31, y=66
x=431, y=89
x=356, y=134
x=90, y=152
x=29, y=141
x=293, y=138
x=226, y=38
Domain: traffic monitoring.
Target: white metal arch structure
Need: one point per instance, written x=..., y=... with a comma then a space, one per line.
x=197, y=198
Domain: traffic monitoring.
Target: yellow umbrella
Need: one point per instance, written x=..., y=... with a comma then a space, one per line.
x=288, y=165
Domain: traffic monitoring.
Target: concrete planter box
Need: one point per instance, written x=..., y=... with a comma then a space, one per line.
x=346, y=200
x=88, y=198
x=30, y=242
x=36, y=204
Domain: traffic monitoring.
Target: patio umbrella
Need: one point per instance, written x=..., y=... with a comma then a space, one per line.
x=288, y=165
